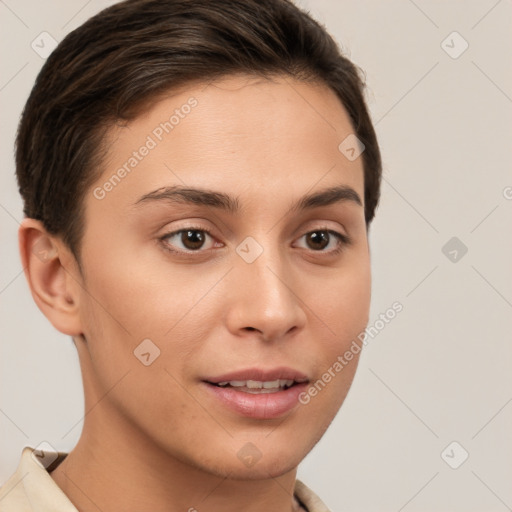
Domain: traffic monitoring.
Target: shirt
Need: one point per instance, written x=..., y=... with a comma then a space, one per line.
x=32, y=489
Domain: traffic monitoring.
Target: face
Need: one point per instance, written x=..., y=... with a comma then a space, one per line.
x=204, y=262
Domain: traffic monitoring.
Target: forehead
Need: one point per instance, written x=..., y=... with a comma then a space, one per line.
x=240, y=134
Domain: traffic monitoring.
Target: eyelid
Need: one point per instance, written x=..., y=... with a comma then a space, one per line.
x=343, y=240
x=189, y=227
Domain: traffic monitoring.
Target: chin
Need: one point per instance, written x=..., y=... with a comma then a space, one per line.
x=251, y=463
x=262, y=470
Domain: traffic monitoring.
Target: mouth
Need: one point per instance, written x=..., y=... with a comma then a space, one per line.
x=258, y=394
x=257, y=387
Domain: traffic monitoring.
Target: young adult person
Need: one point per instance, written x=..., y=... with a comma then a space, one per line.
x=198, y=181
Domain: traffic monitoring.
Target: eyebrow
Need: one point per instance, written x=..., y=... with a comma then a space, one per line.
x=222, y=201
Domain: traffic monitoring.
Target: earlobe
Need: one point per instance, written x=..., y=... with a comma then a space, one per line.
x=47, y=264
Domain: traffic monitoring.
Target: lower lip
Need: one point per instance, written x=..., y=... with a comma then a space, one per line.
x=262, y=406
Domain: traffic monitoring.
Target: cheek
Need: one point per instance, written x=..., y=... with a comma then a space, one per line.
x=126, y=300
x=344, y=311
x=138, y=298
x=346, y=304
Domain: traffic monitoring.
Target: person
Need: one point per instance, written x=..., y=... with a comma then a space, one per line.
x=199, y=179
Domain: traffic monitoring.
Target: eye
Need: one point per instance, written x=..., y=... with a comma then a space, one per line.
x=195, y=239
x=192, y=239
x=319, y=239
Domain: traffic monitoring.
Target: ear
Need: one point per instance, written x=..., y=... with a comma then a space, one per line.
x=52, y=275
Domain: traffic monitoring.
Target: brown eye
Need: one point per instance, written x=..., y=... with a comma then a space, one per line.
x=192, y=239
x=318, y=240
x=187, y=240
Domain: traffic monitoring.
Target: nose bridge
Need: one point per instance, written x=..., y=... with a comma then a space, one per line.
x=263, y=297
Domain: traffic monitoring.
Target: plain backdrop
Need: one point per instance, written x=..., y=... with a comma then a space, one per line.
x=427, y=423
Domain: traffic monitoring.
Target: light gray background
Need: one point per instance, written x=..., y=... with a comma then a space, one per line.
x=440, y=371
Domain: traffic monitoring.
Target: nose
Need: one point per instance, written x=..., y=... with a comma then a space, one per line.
x=265, y=296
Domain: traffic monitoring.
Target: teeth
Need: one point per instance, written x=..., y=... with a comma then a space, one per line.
x=258, y=384
x=237, y=383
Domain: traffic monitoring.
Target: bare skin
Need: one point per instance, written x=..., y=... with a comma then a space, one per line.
x=154, y=437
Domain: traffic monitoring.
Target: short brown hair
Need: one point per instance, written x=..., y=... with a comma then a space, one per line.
x=135, y=50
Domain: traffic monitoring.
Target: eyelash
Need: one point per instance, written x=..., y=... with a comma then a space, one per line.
x=343, y=240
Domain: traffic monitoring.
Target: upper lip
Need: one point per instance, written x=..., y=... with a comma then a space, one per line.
x=259, y=374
